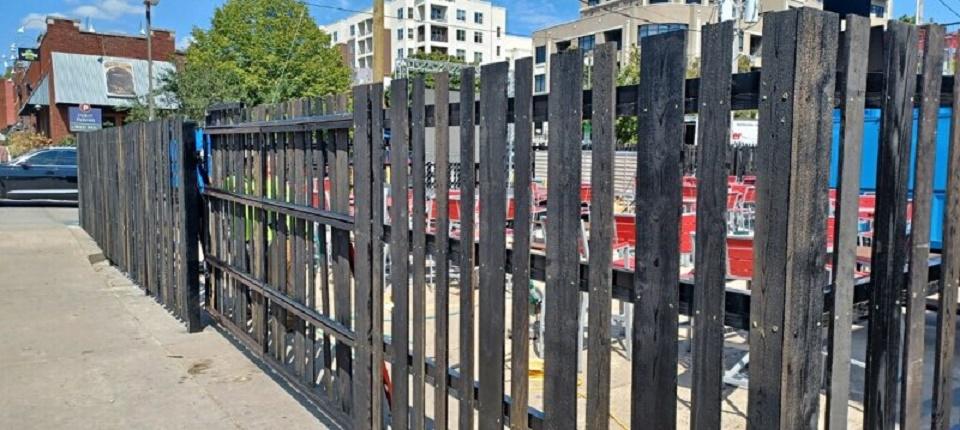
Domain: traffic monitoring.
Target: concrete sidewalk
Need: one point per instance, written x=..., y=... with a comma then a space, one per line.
x=81, y=347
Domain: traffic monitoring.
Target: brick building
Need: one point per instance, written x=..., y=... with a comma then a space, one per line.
x=100, y=72
x=8, y=104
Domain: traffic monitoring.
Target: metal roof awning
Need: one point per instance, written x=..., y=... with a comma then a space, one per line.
x=39, y=97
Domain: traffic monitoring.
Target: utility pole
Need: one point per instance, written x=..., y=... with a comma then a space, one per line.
x=919, y=17
x=150, y=107
x=378, y=42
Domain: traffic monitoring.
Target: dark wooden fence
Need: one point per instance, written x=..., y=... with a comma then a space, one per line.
x=315, y=210
x=139, y=201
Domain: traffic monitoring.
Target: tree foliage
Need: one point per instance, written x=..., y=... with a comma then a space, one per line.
x=22, y=142
x=257, y=51
x=626, y=128
x=437, y=56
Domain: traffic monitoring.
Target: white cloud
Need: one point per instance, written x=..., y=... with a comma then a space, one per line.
x=37, y=21
x=107, y=10
x=184, y=42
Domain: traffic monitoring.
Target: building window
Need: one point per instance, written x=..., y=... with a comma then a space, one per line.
x=400, y=53
x=540, y=83
x=478, y=17
x=498, y=32
x=410, y=33
x=461, y=15
x=877, y=10
x=334, y=37
x=498, y=50
x=586, y=43
x=437, y=13
x=400, y=13
x=462, y=35
x=647, y=30
x=410, y=13
x=353, y=30
x=478, y=57
x=462, y=54
x=399, y=34
x=563, y=45
x=540, y=55
x=477, y=37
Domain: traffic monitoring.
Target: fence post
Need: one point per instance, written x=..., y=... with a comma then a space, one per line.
x=188, y=243
x=796, y=108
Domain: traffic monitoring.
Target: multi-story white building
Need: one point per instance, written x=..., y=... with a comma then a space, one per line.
x=627, y=21
x=472, y=30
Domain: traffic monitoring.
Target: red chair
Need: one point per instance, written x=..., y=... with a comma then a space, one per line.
x=740, y=257
x=626, y=228
x=750, y=196
x=688, y=225
x=831, y=233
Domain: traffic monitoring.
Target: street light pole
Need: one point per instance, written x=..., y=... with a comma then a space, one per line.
x=150, y=107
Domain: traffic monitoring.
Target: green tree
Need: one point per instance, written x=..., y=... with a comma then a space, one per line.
x=257, y=51
x=626, y=127
x=909, y=19
x=440, y=57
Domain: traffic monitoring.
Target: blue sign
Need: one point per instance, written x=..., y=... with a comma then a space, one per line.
x=85, y=118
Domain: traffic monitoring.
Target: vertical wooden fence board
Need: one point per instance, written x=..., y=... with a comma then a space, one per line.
x=776, y=122
x=363, y=391
x=563, y=226
x=376, y=203
x=949, y=278
x=890, y=238
x=442, y=255
x=520, y=275
x=297, y=185
x=658, y=207
x=189, y=281
x=419, y=250
x=802, y=368
x=911, y=388
x=853, y=64
x=399, y=251
x=467, y=199
x=340, y=180
x=604, y=76
x=492, y=255
x=713, y=136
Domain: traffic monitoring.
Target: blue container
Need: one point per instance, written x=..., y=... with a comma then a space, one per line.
x=868, y=176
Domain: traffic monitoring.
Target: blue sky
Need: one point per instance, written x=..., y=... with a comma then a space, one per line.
x=126, y=16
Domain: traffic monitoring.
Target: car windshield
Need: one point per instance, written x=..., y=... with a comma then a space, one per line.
x=22, y=158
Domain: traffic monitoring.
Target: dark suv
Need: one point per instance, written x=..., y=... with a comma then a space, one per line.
x=45, y=174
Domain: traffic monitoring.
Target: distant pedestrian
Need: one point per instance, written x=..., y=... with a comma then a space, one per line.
x=4, y=154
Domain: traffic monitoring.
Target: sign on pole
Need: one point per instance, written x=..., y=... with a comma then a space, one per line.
x=85, y=118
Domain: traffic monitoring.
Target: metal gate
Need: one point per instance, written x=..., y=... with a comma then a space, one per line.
x=279, y=256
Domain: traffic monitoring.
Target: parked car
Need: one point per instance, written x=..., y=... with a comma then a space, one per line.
x=45, y=174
